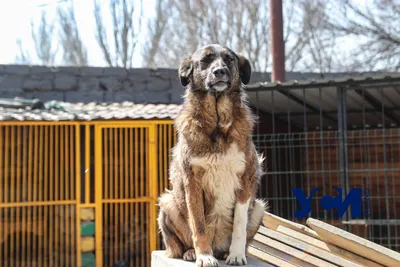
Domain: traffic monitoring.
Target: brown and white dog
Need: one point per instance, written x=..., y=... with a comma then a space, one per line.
x=212, y=211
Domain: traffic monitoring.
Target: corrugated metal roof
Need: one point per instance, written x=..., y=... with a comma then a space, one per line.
x=63, y=111
x=371, y=101
x=310, y=102
x=318, y=83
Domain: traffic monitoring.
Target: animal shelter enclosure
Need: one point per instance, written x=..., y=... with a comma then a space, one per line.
x=81, y=186
x=333, y=133
x=81, y=193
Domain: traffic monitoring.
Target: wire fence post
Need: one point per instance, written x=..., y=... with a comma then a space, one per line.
x=343, y=151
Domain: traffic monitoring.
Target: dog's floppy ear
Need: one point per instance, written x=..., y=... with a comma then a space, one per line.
x=185, y=70
x=244, y=69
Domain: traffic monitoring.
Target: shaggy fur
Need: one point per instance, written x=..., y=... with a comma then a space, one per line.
x=212, y=211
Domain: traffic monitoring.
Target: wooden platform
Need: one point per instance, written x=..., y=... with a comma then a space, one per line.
x=280, y=242
x=283, y=243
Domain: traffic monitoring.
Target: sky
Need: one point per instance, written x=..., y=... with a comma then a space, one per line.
x=16, y=15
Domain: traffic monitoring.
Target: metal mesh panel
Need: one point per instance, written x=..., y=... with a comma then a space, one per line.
x=166, y=140
x=125, y=152
x=344, y=136
x=125, y=196
x=38, y=196
x=126, y=234
x=38, y=236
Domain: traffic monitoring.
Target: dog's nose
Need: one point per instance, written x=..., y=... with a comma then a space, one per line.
x=220, y=71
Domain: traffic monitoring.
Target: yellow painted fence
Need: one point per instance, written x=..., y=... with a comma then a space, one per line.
x=59, y=178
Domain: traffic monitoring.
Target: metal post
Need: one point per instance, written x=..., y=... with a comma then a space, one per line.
x=277, y=43
x=343, y=153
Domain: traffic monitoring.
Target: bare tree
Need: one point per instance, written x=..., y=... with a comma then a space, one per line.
x=43, y=38
x=240, y=24
x=74, y=51
x=23, y=56
x=181, y=27
x=156, y=28
x=126, y=26
x=374, y=28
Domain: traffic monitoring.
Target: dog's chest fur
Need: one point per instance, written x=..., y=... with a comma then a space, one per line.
x=222, y=178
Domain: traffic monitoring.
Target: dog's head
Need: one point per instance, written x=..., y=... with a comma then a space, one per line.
x=215, y=68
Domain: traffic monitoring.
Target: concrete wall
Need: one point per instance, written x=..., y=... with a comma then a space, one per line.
x=86, y=84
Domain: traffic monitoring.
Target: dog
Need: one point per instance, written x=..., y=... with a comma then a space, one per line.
x=212, y=212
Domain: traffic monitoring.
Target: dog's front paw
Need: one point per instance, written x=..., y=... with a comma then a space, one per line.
x=236, y=259
x=206, y=260
x=189, y=255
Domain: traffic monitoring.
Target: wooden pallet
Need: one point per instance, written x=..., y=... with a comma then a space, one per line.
x=284, y=243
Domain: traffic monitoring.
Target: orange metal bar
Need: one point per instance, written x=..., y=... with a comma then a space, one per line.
x=87, y=163
x=89, y=205
x=111, y=132
x=57, y=163
x=116, y=164
x=2, y=173
x=171, y=143
x=25, y=180
x=73, y=177
x=12, y=177
x=6, y=165
x=131, y=164
x=98, y=196
x=120, y=162
x=19, y=165
x=115, y=219
x=152, y=169
x=35, y=163
x=23, y=239
x=46, y=163
x=165, y=137
x=126, y=164
x=62, y=162
x=67, y=176
x=131, y=200
x=78, y=192
x=107, y=167
x=25, y=164
x=11, y=237
x=46, y=183
x=142, y=187
x=38, y=203
x=122, y=177
x=30, y=164
x=40, y=164
x=137, y=231
x=40, y=186
x=137, y=193
x=51, y=163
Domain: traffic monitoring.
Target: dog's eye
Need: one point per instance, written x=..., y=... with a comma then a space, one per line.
x=230, y=59
x=204, y=60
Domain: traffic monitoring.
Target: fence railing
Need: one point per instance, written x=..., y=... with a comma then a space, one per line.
x=111, y=171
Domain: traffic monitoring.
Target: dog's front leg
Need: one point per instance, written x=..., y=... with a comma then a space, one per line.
x=197, y=222
x=237, y=250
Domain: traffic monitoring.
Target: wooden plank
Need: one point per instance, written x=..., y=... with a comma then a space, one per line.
x=296, y=253
x=273, y=222
x=317, y=252
x=268, y=257
x=279, y=257
x=355, y=243
x=159, y=259
x=328, y=247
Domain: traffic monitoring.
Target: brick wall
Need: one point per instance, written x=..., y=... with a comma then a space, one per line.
x=86, y=84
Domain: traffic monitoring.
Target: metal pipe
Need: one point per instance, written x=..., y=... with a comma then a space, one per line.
x=277, y=43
